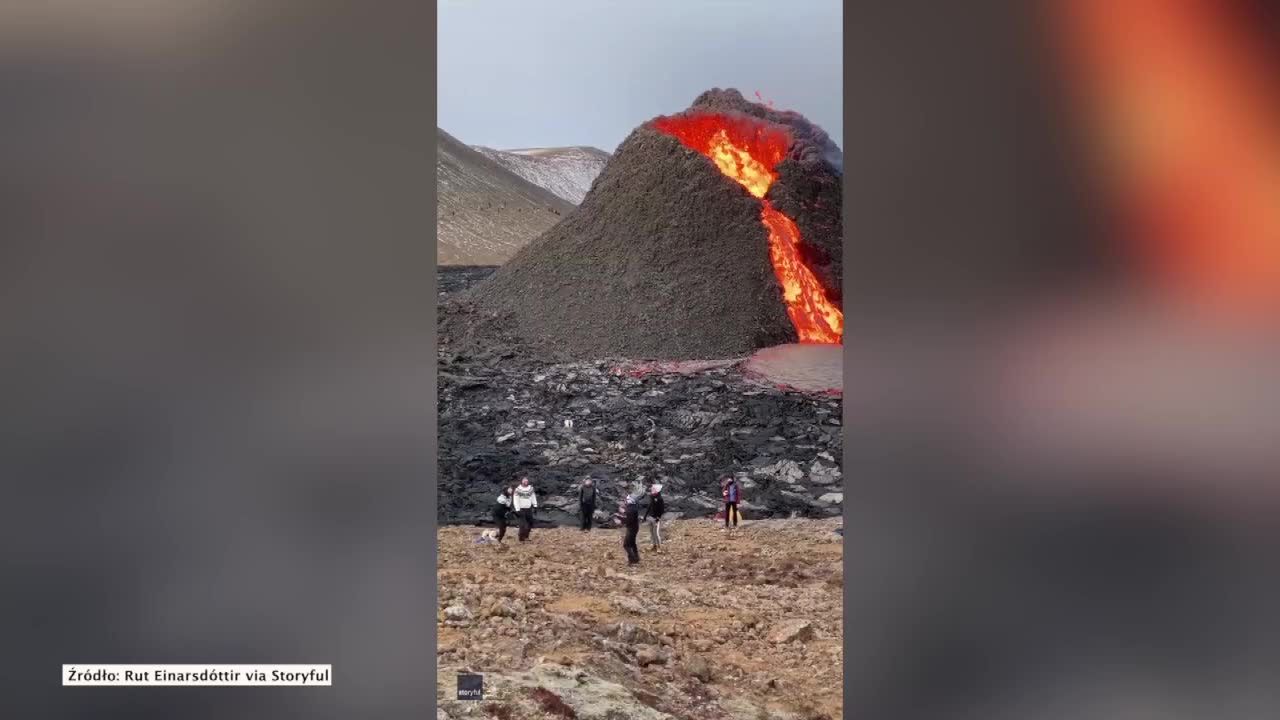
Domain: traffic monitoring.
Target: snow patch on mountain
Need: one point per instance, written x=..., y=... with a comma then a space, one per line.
x=565, y=171
x=485, y=212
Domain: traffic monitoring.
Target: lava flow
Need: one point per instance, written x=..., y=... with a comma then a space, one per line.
x=747, y=151
x=1188, y=113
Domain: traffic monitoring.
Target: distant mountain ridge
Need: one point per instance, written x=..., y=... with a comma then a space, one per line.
x=486, y=212
x=565, y=171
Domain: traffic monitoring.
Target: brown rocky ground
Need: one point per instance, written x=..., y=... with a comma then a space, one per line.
x=714, y=626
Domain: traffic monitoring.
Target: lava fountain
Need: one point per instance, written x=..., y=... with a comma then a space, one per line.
x=748, y=151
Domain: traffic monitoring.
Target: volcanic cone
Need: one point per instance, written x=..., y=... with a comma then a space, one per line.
x=709, y=234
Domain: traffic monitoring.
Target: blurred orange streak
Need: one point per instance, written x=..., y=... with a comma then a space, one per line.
x=1186, y=116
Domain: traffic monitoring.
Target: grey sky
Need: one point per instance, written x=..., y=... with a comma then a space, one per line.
x=531, y=73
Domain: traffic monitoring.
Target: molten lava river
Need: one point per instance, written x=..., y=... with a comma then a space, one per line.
x=748, y=151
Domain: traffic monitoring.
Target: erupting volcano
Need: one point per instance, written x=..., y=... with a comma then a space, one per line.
x=668, y=258
x=747, y=151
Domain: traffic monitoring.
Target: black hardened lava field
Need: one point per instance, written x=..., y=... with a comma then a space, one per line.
x=503, y=413
x=611, y=345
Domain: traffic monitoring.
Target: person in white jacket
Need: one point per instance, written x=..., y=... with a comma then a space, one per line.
x=524, y=502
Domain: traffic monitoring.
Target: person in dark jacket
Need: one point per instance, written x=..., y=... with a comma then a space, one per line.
x=629, y=517
x=587, y=503
x=729, y=489
x=653, y=515
x=502, y=511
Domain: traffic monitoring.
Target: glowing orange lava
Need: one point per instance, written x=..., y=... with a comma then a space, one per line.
x=1188, y=117
x=747, y=151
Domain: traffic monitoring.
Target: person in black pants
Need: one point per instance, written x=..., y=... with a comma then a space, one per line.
x=524, y=500
x=629, y=516
x=587, y=503
x=731, y=493
x=653, y=515
x=502, y=510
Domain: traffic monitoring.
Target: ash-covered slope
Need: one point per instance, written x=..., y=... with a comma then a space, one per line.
x=566, y=171
x=666, y=257
x=485, y=212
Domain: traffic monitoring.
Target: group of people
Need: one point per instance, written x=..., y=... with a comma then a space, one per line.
x=628, y=516
x=520, y=501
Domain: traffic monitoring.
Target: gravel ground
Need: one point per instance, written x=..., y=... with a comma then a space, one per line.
x=715, y=626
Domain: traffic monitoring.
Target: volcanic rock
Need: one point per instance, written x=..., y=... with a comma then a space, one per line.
x=457, y=615
x=649, y=655
x=787, y=471
x=631, y=605
x=698, y=667
x=667, y=257
x=684, y=429
x=820, y=474
x=791, y=631
x=629, y=633
x=502, y=607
